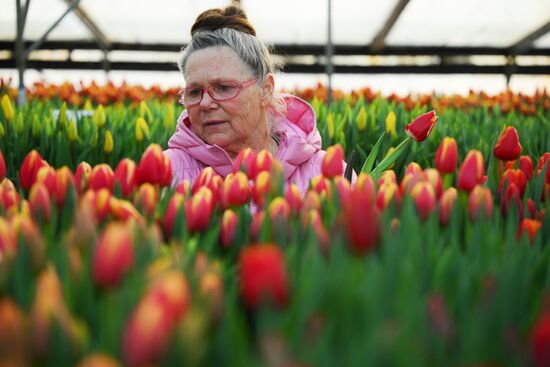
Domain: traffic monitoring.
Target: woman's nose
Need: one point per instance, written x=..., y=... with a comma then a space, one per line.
x=207, y=102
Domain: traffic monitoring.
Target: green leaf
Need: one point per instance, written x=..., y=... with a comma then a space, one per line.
x=391, y=158
x=369, y=162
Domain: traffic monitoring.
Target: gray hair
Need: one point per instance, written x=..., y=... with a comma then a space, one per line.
x=252, y=51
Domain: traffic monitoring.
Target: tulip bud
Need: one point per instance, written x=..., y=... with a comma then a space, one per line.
x=99, y=116
x=72, y=131
x=108, y=146
x=113, y=255
x=183, y=188
x=480, y=200
x=330, y=125
x=531, y=226
x=424, y=199
x=235, y=191
x=333, y=162
x=101, y=177
x=511, y=195
x=146, y=199
x=422, y=126
x=446, y=156
x=261, y=188
x=513, y=176
x=387, y=176
x=279, y=210
x=29, y=169
x=207, y=178
x=99, y=201
x=9, y=198
x=312, y=201
x=321, y=185
x=126, y=174
x=413, y=168
x=263, y=276
x=508, y=147
x=151, y=165
x=198, y=209
x=390, y=123
x=123, y=210
x=386, y=193
x=47, y=176
x=472, y=171
x=64, y=179
x=245, y=161
x=434, y=178
x=167, y=178
x=81, y=177
x=2, y=167
x=361, y=119
x=293, y=197
x=362, y=224
x=446, y=203
x=142, y=130
x=526, y=165
x=228, y=228
x=344, y=190
x=7, y=108
x=411, y=179
x=174, y=205
x=264, y=162
x=39, y=202
x=172, y=291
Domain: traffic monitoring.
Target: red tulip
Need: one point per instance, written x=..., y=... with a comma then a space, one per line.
x=279, y=210
x=245, y=162
x=410, y=180
x=526, y=165
x=126, y=175
x=172, y=291
x=235, y=190
x=424, y=199
x=508, y=147
x=422, y=126
x=540, y=340
x=333, y=162
x=293, y=197
x=439, y=316
x=113, y=255
x=313, y=219
x=208, y=178
x=312, y=201
x=99, y=202
x=434, y=178
x=101, y=177
x=365, y=184
x=64, y=179
x=2, y=167
x=263, y=276
x=512, y=195
x=81, y=177
x=446, y=203
x=446, y=156
x=183, y=188
x=47, y=176
x=480, y=200
x=387, y=193
x=123, y=210
x=362, y=223
x=413, y=168
x=146, y=199
x=472, y=171
x=167, y=177
x=256, y=225
x=344, y=190
x=264, y=162
x=198, y=209
x=531, y=226
x=513, y=176
x=151, y=166
x=388, y=175
x=29, y=169
x=228, y=227
x=321, y=185
x=174, y=205
x=541, y=164
x=9, y=198
x=40, y=202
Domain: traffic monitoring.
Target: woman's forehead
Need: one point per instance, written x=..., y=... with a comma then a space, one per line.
x=214, y=64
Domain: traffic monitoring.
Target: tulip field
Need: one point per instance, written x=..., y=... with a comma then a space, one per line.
x=437, y=254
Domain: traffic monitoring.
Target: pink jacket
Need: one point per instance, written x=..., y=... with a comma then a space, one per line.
x=299, y=149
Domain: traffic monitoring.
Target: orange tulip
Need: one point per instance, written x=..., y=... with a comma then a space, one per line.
x=422, y=126
x=531, y=226
x=508, y=147
x=113, y=255
x=29, y=169
x=263, y=276
x=424, y=199
x=446, y=204
x=198, y=210
x=228, y=228
x=81, y=177
x=174, y=205
x=126, y=175
x=480, y=200
x=293, y=197
x=40, y=202
x=446, y=156
x=2, y=167
x=333, y=162
x=472, y=171
x=235, y=190
x=167, y=177
x=101, y=177
x=312, y=201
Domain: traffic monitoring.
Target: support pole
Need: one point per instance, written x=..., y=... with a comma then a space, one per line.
x=329, y=52
x=21, y=14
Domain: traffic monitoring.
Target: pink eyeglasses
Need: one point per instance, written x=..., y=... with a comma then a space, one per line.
x=219, y=91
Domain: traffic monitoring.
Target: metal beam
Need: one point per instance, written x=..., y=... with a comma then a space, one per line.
x=379, y=41
x=293, y=49
x=298, y=68
x=526, y=42
x=99, y=36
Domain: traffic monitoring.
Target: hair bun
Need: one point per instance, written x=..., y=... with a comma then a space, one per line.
x=228, y=17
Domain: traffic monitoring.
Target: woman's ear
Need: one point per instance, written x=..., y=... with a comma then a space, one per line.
x=267, y=90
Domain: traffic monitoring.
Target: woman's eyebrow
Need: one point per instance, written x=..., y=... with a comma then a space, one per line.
x=210, y=82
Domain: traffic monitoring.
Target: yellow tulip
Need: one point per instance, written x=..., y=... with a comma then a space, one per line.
x=99, y=116
x=108, y=147
x=62, y=119
x=142, y=130
x=72, y=132
x=390, y=123
x=330, y=125
x=6, y=106
x=88, y=105
x=361, y=120
x=144, y=111
x=169, y=117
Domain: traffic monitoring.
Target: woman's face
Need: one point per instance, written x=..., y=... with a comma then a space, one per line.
x=232, y=124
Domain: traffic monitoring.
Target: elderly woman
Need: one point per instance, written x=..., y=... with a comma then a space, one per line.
x=230, y=105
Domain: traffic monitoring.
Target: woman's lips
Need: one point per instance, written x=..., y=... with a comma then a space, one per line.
x=213, y=122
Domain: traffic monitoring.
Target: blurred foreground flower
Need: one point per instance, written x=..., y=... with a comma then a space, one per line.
x=508, y=147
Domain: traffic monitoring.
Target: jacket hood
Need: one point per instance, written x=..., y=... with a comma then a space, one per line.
x=297, y=131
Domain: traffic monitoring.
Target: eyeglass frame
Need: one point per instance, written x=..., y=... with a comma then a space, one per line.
x=241, y=86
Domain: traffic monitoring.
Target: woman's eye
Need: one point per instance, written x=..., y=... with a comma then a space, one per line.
x=193, y=92
x=223, y=88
